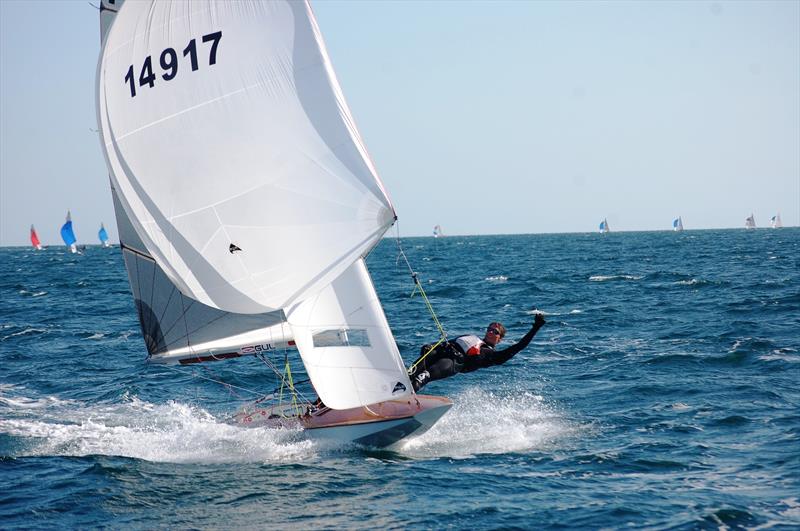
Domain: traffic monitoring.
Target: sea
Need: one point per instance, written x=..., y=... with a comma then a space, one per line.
x=662, y=393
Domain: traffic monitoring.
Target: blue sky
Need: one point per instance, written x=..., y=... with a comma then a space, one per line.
x=484, y=117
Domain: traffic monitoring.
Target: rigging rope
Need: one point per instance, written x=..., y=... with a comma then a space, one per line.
x=418, y=287
x=227, y=385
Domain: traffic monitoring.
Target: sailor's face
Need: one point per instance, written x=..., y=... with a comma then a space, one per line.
x=492, y=336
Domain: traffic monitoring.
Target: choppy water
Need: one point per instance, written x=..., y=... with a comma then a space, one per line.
x=663, y=393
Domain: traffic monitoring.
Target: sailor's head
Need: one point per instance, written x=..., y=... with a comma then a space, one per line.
x=494, y=333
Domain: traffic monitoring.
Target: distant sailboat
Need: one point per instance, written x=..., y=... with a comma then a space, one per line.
x=68, y=235
x=677, y=224
x=35, y=240
x=604, y=226
x=103, y=236
x=437, y=231
x=750, y=223
x=776, y=221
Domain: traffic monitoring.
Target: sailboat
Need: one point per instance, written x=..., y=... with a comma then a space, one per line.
x=776, y=221
x=604, y=226
x=750, y=222
x=246, y=203
x=102, y=235
x=437, y=231
x=677, y=224
x=68, y=235
x=35, y=240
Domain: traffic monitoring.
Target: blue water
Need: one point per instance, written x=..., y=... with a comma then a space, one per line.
x=664, y=392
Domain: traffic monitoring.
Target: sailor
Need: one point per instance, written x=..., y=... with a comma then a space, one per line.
x=467, y=353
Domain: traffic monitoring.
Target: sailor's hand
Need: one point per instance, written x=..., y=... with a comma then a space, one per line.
x=538, y=321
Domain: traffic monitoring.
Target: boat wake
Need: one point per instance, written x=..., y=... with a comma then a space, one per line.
x=171, y=432
x=481, y=422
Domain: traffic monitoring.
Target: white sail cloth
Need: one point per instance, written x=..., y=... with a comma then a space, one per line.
x=346, y=344
x=233, y=151
x=239, y=178
x=176, y=328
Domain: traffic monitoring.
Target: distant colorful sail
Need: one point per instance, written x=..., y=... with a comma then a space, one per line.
x=35, y=240
x=750, y=223
x=776, y=221
x=103, y=236
x=68, y=235
x=604, y=226
x=677, y=224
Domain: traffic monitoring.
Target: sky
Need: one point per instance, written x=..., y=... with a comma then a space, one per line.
x=482, y=117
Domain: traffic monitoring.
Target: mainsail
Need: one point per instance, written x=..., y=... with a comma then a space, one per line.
x=604, y=226
x=102, y=235
x=437, y=231
x=750, y=222
x=776, y=221
x=243, y=189
x=68, y=235
x=677, y=224
x=35, y=240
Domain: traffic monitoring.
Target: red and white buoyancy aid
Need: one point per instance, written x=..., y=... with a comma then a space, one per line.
x=469, y=345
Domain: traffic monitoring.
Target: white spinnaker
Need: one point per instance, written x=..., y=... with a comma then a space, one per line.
x=257, y=150
x=346, y=344
x=179, y=329
x=175, y=327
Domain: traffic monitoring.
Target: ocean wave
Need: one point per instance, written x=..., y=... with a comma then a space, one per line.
x=543, y=312
x=751, y=345
x=24, y=332
x=607, y=278
x=692, y=282
x=27, y=293
x=783, y=354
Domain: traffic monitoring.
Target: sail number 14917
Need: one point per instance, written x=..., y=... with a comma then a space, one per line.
x=169, y=62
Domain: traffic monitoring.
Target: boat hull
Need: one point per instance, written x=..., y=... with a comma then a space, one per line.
x=378, y=425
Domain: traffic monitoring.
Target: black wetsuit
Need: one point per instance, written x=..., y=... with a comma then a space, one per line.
x=449, y=359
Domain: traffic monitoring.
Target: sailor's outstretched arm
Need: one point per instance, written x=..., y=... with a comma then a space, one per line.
x=501, y=356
